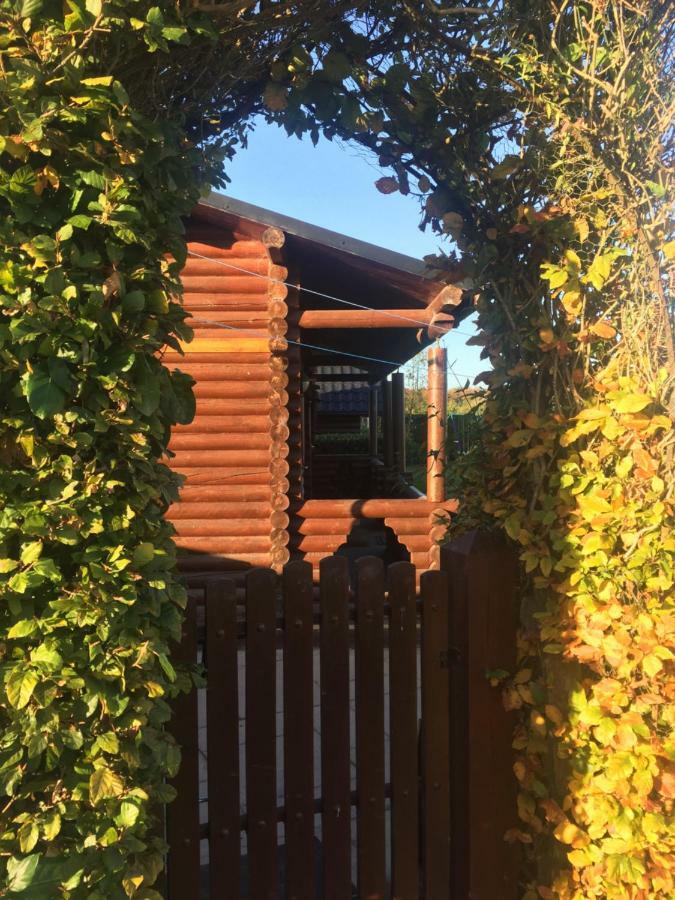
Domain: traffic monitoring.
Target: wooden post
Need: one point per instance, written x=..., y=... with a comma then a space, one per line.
x=387, y=424
x=437, y=415
x=372, y=420
x=483, y=581
x=398, y=416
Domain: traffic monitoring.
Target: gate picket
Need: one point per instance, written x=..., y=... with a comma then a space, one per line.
x=369, y=648
x=182, y=818
x=261, y=799
x=334, y=640
x=403, y=730
x=299, y=730
x=222, y=740
x=435, y=736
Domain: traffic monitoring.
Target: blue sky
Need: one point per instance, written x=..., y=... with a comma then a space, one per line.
x=332, y=185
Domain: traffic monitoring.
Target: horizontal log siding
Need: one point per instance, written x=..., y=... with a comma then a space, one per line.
x=231, y=513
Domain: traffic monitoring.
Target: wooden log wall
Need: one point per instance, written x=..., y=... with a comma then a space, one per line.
x=236, y=453
x=321, y=526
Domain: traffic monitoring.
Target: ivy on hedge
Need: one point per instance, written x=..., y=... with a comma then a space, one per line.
x=91, y=195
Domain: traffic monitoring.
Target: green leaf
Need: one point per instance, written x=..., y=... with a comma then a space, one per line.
x=108, y=742
x=104, y=784
x=20, y=686
x=128, y=814
x=21, y=872
x=30, y=8
x=31, y=552
x=143, y=554
x=46, y=391
x=28, y=836
x=22, y=628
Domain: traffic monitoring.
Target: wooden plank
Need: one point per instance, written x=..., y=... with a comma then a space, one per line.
x=334, y=594
x=226, y=345
x=435, y=736
x=183, y=813
x=261, y=800
x=299, y=730
x=403, y=730
x=222, y=735
x=483, y=572
x=369, y=652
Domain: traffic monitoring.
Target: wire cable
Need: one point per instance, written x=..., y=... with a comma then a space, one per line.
x=307, y=290
x=253, y=332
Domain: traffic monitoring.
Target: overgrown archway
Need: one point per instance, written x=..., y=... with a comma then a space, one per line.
x=539, y=135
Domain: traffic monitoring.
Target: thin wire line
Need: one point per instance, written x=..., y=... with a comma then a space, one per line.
x=307, y=290
x=250, y=331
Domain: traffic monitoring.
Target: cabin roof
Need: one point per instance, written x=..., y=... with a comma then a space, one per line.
x=338, y=266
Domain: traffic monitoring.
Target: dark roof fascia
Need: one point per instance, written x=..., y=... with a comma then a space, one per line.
x=370, y=252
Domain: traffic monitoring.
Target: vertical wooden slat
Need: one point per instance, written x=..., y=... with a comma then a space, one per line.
x=299, y=730
x=369, y=643
x=435, y=736
x=483, y=573
x=403, y=731
x=334, y=594
x=183, y=814
x=222, y=740
x=260, y=733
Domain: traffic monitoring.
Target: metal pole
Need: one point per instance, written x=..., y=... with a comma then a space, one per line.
x=437, y=416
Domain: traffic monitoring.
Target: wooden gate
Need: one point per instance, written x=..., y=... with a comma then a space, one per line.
x=343, y=728
x=319, y=749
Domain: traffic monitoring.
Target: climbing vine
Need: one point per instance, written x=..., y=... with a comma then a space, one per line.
x=539, y=140
x=537, y=137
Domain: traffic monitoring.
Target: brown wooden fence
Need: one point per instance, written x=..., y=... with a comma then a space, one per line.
x=322, y=748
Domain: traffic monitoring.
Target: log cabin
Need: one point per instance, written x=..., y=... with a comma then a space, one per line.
x=280, y=310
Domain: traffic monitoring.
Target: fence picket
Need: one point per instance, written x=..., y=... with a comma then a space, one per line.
x=403, y=729
x=261, y=733
x=182, y=818
x=222, y=740
x=299, y=730
x=435, y=735
x=334, y=637
x=369, y=647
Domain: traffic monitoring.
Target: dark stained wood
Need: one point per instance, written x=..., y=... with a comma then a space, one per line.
x=403, y=732
x=483, y=575
x=299, y=730
x=222, y=715
x=435, y=736
x=387, y=425
x=398, y=418
x=334, y=590
x=260, y=733
x=369, y=652
x=372, y=420
x=182, y=826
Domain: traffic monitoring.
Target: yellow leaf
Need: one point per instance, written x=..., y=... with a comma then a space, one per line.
x=630, y=403
x=572, y=259
x=603, y=330
x=104, y=784
x=669, y=249
x=652, y=665
x=591, y=505
x=568, y=833
x=581, y=228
